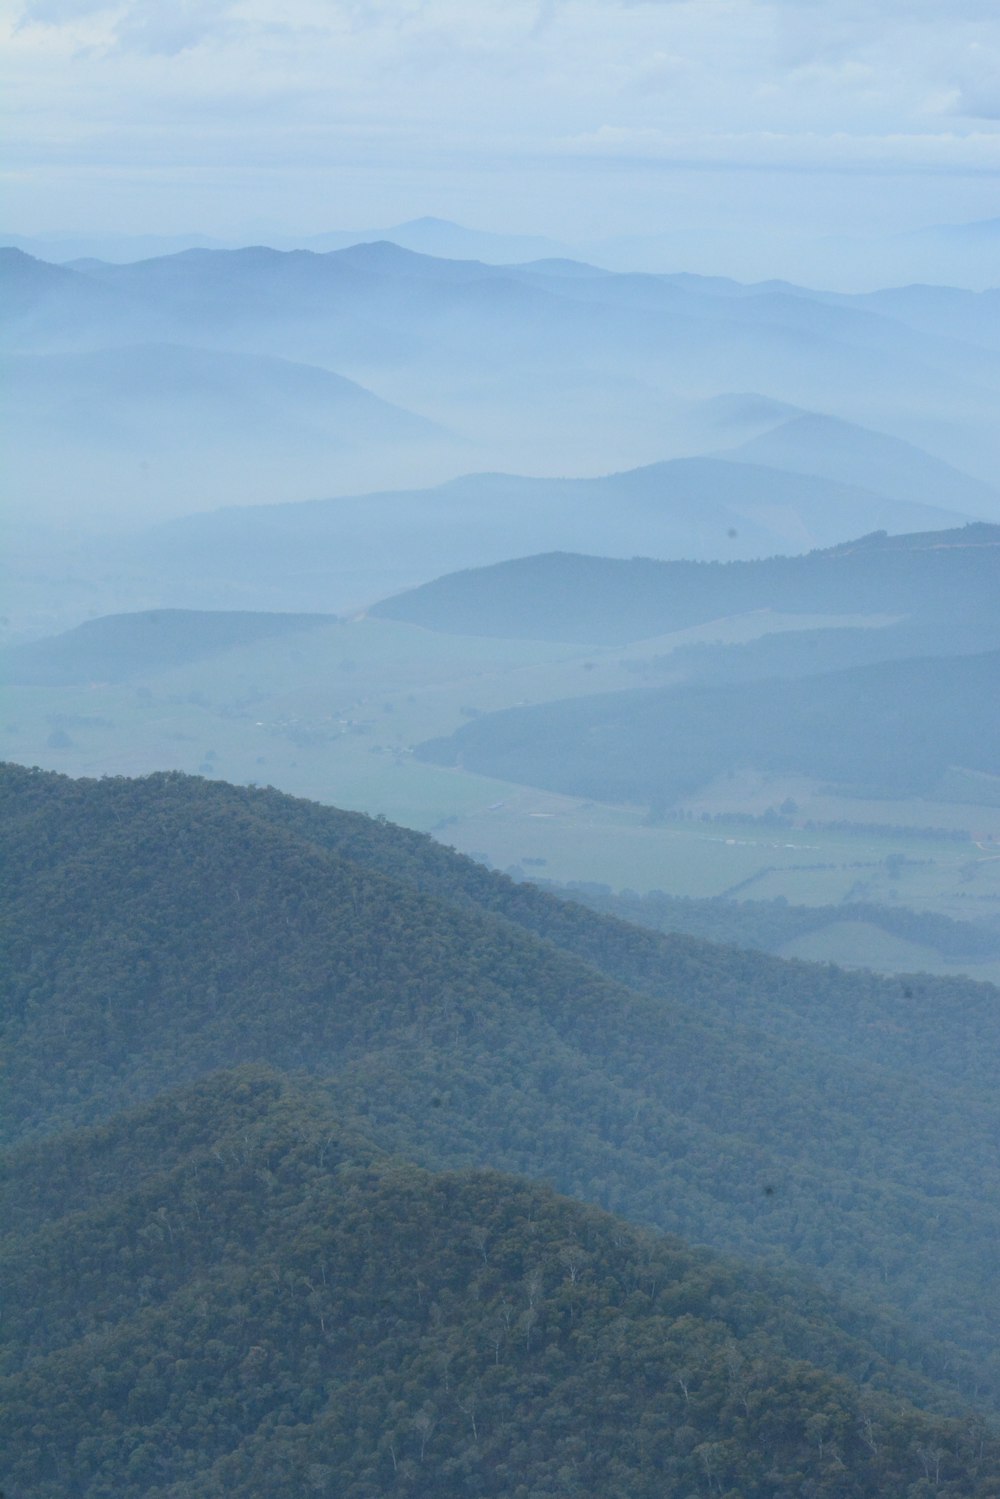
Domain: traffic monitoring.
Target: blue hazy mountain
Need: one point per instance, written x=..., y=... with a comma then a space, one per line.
x=451, y=241
x=887, y=729
x=141, y=424
x=428, y=235
x=935, y=592
x=212, y=379
x=117, y=647
x=498, y=343
x=960, y=255
x=952, y=312
x=49, y=306
x=346, y=552
x=851, y=454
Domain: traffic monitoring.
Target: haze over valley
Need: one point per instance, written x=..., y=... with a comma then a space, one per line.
x=500, y=751
x=209, y=378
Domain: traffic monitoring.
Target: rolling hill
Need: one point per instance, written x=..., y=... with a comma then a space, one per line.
x=118, y=647
x=778, y=927
x=849, y=454
x=119, y=394
x=230, y=1291
x=344, y=553
x=161, y=929
x=890, y=729
x=143, y=423
x=948, y=579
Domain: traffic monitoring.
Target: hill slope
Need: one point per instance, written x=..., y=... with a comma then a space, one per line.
x=163, y=928
x=227, y=1292
x=891, y=729
x=110, y=394
x=694, y=508
x=813, y=444
x=944, y=584
x=119, y=646
x=191, y=421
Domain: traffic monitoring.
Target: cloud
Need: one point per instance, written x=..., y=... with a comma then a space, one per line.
x=163, y=27
x=975, y=78
x=168, y=27
x=904, y=34
x=803, y=150
x=61, y=12
x=493, y=96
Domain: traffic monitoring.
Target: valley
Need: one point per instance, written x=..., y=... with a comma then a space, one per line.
x=342, y=710
x=501, y=868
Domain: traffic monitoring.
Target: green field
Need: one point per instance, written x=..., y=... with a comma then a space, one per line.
x=333, y=715
x=615, y=846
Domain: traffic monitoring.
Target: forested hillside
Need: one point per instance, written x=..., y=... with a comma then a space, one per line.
x=229, y=1292
x=840, y=1124
x=949, y=578
x=886, y=729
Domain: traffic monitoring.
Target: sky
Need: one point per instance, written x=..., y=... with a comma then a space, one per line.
x=568, y=118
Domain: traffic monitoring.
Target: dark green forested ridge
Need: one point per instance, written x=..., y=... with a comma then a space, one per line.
x=892, y=728
x=843, y=1124
x=951, y=577
x=229, y=1293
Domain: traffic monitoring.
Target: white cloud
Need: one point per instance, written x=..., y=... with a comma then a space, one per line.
x=153, y=26
x=167, y=27
x=61, y=12
x=482, y=95
x=975, y=151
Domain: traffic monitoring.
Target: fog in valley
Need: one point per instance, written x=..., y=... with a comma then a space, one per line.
x=410, y=406
x=500, y=723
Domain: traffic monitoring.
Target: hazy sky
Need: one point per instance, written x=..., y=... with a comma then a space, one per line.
x=563, y=117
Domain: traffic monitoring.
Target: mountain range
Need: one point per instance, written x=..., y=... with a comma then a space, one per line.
x=550, y=367
x=960, y=255
x=337, y=1162
x=347, y=552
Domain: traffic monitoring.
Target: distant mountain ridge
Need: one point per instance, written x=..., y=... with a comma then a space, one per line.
x=116, y=647
x=541, y=367
x=949, y=254
x=427, y=235
x=893, y=728
x=822, y=445
x=378, y=543
x=950, y=577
